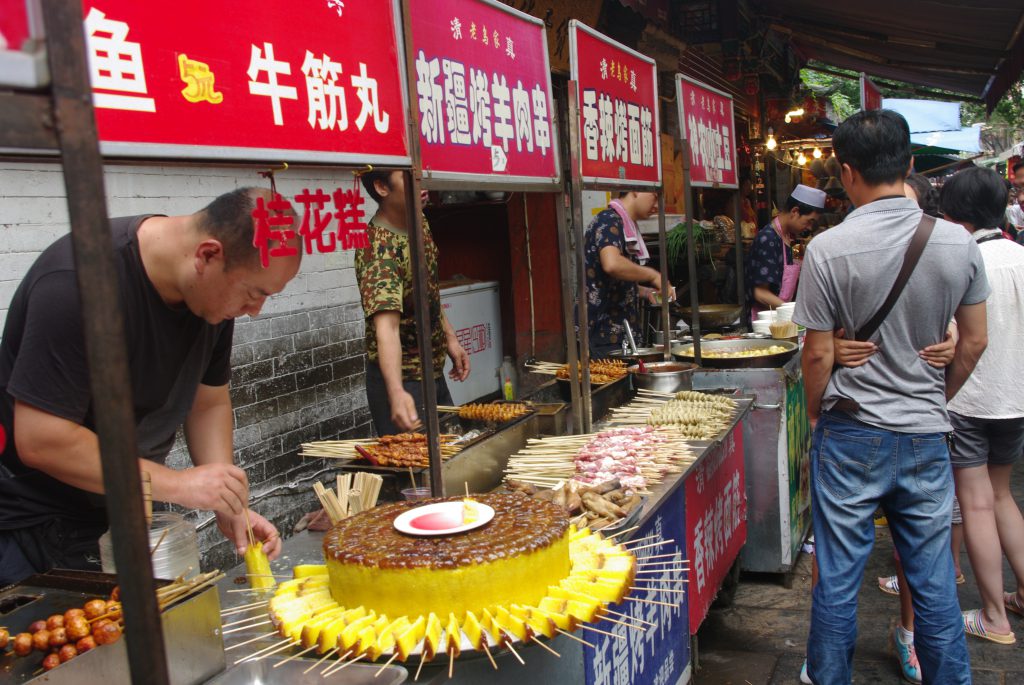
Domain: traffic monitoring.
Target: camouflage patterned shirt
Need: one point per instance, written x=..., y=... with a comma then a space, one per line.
x=385, y=284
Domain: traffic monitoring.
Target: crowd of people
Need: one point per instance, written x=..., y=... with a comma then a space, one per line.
x=912, y=354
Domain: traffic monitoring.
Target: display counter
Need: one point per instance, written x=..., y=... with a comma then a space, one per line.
x=776, y=438
x=702, y=510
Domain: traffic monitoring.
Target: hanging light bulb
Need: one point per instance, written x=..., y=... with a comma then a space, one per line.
x=771, y=143
x=801, y=158
x=817, y=153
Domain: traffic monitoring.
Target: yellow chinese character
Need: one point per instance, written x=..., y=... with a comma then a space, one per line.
x=496, y=41
x=485, y=35
x=472, y=30
x=199, y=79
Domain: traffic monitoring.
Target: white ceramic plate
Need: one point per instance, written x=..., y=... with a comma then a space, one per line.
x=440, y=518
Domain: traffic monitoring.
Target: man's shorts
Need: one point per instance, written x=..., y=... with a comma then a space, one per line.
x=978, y=442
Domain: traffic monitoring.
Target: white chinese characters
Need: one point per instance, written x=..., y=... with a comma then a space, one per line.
x=115, y=64
x=616, y=131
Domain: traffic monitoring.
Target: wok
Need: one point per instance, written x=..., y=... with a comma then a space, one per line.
x=767, y=361
x=711, y=315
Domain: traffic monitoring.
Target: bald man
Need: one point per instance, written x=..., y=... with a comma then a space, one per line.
x=181, y=282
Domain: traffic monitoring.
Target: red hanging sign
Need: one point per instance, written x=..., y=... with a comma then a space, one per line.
x=708, y=124
x=870, y=95
x=483, y=88
x=716, y=518
x=318, y=82
x=617, y=92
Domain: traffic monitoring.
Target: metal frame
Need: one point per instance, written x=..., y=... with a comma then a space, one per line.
x=434, y=179
x=578, y=185
x=616, y=183
x=418, y=178
x=64, y=116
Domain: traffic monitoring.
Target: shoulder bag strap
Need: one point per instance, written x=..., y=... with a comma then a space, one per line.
x=910, y=259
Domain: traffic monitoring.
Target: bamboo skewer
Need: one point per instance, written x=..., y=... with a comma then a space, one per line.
x=541, y=644
x=251, y=640
x=286, y=641
x=580, y=640
x=386, y=664
x=633, y=618
x=423, y=658
x=603, y=632
x=296, y=656
x=321, y=660
x=254, y=625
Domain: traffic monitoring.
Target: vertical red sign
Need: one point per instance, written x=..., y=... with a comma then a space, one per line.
x=617, y=92
x=870, y=95
x=707, y=122
x=319, y=82
x=483, y=89
x=716, y=521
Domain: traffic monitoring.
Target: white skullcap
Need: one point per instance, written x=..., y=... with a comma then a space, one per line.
x=809, y=196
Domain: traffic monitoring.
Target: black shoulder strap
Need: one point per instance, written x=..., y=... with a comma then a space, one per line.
x=910, y=259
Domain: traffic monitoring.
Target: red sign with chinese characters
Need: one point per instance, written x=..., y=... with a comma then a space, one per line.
x=870, y=95
x=707, y=122
x=317, y=82
x=716, y=518
x=484, y=93
x=617, y=92
x=326, y=222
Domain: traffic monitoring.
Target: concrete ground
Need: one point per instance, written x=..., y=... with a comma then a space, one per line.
x=761, y=638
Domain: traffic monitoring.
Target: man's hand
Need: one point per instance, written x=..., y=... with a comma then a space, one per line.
x=460, y=360
x=940, y=355
x=223, y=488
x=852, y=353
x=403, y=410
x=233, y=528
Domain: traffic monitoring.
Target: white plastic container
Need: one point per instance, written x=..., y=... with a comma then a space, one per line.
x=177, y=555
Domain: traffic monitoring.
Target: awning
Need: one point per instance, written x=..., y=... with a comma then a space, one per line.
x=974, y=49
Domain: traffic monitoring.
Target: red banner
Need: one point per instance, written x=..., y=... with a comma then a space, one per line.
x=319, y=82
x=707, y=122
x=484, y=93
x=617, y=91
x=716, y=518
x=870, y=95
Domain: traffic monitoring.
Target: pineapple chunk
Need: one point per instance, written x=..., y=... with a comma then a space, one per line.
x=473, y=630
x=536, y=623
x=606, y=592
x=350, y=633
x=487, y=623
x=386, y=637
x=453, y=637
x=432, y=637
x=555, y=609
x=330, y=633
x=311, y=629
x=510, y=624
x=470, y=511
x=408, y=640
x=257, y=567
x=308, y=570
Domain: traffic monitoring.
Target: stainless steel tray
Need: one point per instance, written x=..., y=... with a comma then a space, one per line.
x=262, y=672
x=767, y=361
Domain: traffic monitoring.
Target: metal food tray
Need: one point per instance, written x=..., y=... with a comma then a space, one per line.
x=766, y=361
x=191, y=632
x=270, y=671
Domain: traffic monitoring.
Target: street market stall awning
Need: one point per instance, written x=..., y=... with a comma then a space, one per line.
x=974, y=49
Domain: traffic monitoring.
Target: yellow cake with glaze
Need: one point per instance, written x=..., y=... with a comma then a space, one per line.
x=510, y=560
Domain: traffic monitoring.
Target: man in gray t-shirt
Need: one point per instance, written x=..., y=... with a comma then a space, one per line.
x=879, y=437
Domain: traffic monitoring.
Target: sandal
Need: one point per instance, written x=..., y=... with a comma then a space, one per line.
x=889, y=585
x=973, y=625
x=1013, y=603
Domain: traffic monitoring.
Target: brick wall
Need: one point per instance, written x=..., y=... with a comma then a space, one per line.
x=297, y=368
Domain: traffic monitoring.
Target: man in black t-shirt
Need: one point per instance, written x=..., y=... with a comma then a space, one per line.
x=182, y=281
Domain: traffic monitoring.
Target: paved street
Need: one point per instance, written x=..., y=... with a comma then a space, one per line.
x=760, y=640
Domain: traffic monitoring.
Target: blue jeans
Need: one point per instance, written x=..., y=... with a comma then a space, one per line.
x=854, y=469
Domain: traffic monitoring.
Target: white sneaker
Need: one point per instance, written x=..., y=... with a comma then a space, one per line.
x=804, y=678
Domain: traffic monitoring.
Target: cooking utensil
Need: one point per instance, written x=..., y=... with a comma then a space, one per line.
x=766, y=361
x=648, y=354
x=629, y=336
x=664, y=376
x=711, y=315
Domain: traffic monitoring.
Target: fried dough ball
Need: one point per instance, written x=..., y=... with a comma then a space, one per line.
x=85, y=644
x=55, y=621
x=36, y=626
x=58, y=637
x=51, y=662
x=23, y=644
x=67, y=653
x=77, y=628
x=106, y=634
x=95, y=608
x=41, y=640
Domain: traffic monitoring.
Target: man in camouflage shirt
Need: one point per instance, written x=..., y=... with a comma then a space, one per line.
x=393, y=370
